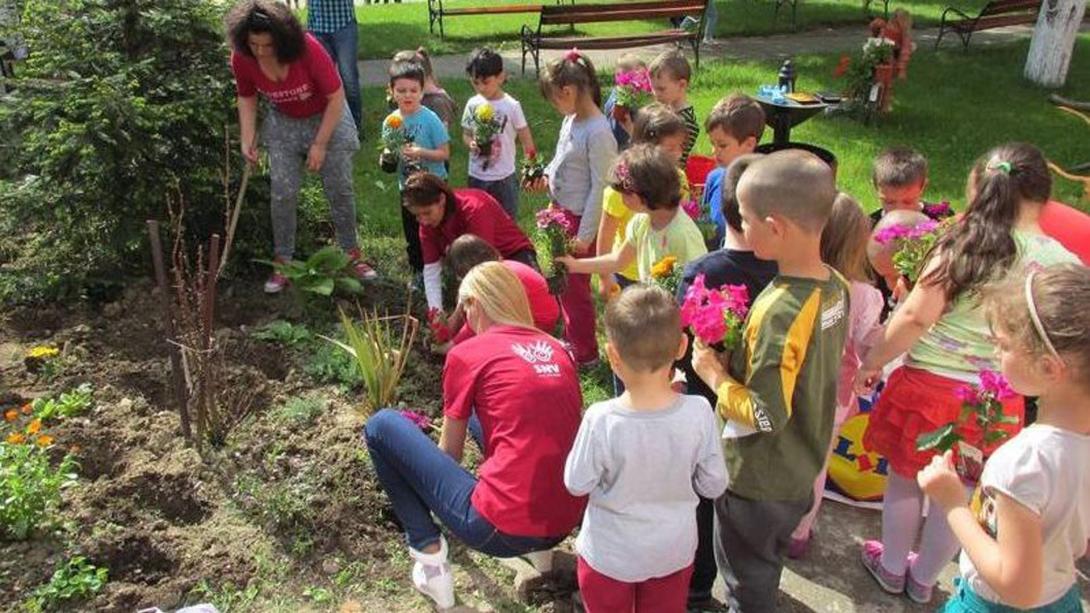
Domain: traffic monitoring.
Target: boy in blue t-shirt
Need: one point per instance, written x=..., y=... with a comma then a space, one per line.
x=428, y=147
x=734, y=126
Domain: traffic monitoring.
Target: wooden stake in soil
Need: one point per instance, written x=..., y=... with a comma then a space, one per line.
x=208, y=303
x=180, y=393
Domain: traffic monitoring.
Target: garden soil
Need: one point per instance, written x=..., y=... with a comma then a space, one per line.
x=286, y=516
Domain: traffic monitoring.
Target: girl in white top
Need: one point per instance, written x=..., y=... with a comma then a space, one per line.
x=1030, y=518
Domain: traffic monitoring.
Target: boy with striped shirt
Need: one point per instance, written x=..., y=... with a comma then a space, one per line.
x=670, y=73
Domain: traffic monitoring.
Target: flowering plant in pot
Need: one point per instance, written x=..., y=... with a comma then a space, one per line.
x=633, y=88
x=552, y=233
x=393, y=139
x=485, y=128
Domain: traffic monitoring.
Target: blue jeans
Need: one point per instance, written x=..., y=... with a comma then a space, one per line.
x=422, y=479
x=965, y=600
x=506, y=191
x=343, y=46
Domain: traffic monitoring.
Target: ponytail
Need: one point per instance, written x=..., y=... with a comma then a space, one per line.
x=573, y=68
x=981, y=247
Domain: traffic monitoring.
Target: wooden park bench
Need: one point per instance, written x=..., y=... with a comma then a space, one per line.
x=995, y=14
x=533, y=41
x=436, y=12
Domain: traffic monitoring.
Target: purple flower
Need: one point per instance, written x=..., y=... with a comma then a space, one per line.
x=966, y=394
x=552, y=216
x=939, y=209
x=886, y=236
x=691, y=208
x=922, y=229
x=713, y=314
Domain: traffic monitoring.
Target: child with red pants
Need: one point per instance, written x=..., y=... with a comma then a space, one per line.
x=949, y=345
x=643, y=458
x=576, y=178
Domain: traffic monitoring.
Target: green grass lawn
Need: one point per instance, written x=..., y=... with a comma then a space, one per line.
x=953, y=108
x=388, y=28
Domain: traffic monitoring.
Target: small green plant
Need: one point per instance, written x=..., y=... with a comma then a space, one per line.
x=68, y=404
x=283, y=333
x=381, y=352
x=227, y=597
x=331, y=365
x=323, y=272
x=302, y=410
x=318, y=595
x=30, y=488
x=76, y=579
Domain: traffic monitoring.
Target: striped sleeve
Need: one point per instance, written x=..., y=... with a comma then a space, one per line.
x=773, y=359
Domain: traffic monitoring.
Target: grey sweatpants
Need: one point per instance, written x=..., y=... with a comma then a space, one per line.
x=751, y=539
x=288, y=141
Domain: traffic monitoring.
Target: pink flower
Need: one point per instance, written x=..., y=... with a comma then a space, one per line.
x=712, y=315
x=922, y=229
x=966, y=394
x=996, y=384
x=691, y=208
x=419, y=419
x=886, y=236
x=552, y=216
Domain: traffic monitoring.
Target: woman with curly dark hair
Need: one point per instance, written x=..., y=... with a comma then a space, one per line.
x=307, y=122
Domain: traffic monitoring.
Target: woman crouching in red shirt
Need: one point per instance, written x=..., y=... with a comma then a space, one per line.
x=444, y=214
x=469, y=250
x=522, y=386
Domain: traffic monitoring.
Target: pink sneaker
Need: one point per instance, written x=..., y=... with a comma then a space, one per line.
x=872, y=561
x=360, y=269
x=798, y=548
x=917, y=592
x=276, y=282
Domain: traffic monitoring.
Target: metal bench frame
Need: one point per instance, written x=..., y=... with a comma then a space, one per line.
x=995, y=14
x=436, y=12
x=533, y=41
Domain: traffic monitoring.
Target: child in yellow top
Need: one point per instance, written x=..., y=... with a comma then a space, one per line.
x=656, y=125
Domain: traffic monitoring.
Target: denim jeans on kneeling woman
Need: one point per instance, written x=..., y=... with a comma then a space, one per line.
x=422, y=479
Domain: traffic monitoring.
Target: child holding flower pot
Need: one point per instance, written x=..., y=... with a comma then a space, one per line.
x=575, y=178
x=1030, y=519
x=490, y=123
x=949, y=343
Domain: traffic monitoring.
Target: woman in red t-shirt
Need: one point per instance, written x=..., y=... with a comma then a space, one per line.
x=444, y=214
x=308, y=122
x=516, y=390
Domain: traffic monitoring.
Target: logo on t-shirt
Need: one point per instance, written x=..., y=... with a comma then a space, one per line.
x=539, y=355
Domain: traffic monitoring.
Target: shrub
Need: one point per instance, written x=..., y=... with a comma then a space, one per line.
x=119, y=103
x=380, y=345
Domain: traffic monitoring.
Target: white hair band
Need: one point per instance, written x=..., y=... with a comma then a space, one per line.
x=1031, y=305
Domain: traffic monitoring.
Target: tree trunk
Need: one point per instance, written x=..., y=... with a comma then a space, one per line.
x=1054, y=41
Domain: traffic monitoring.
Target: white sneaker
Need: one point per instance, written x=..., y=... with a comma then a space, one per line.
x=542, y=561
x=432, y=575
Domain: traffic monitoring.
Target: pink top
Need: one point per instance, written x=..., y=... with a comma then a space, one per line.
x=523, y=386
x=303, y=93
x=865, y=310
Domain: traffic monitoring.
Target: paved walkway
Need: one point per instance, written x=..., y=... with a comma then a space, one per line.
x=772, y=47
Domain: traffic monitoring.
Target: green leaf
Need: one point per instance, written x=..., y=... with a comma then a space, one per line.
x=349, y=285
x=328, y=260
x=942, y=439
x=322, y=286
x=994, y=436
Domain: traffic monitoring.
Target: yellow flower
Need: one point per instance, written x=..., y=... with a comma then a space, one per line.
x=44, y=440
x=34, y=426
x=42, y=352
x=664, y=267
x=485, y=113
x=11, y=415
x=393, y=121
x=16, y=438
